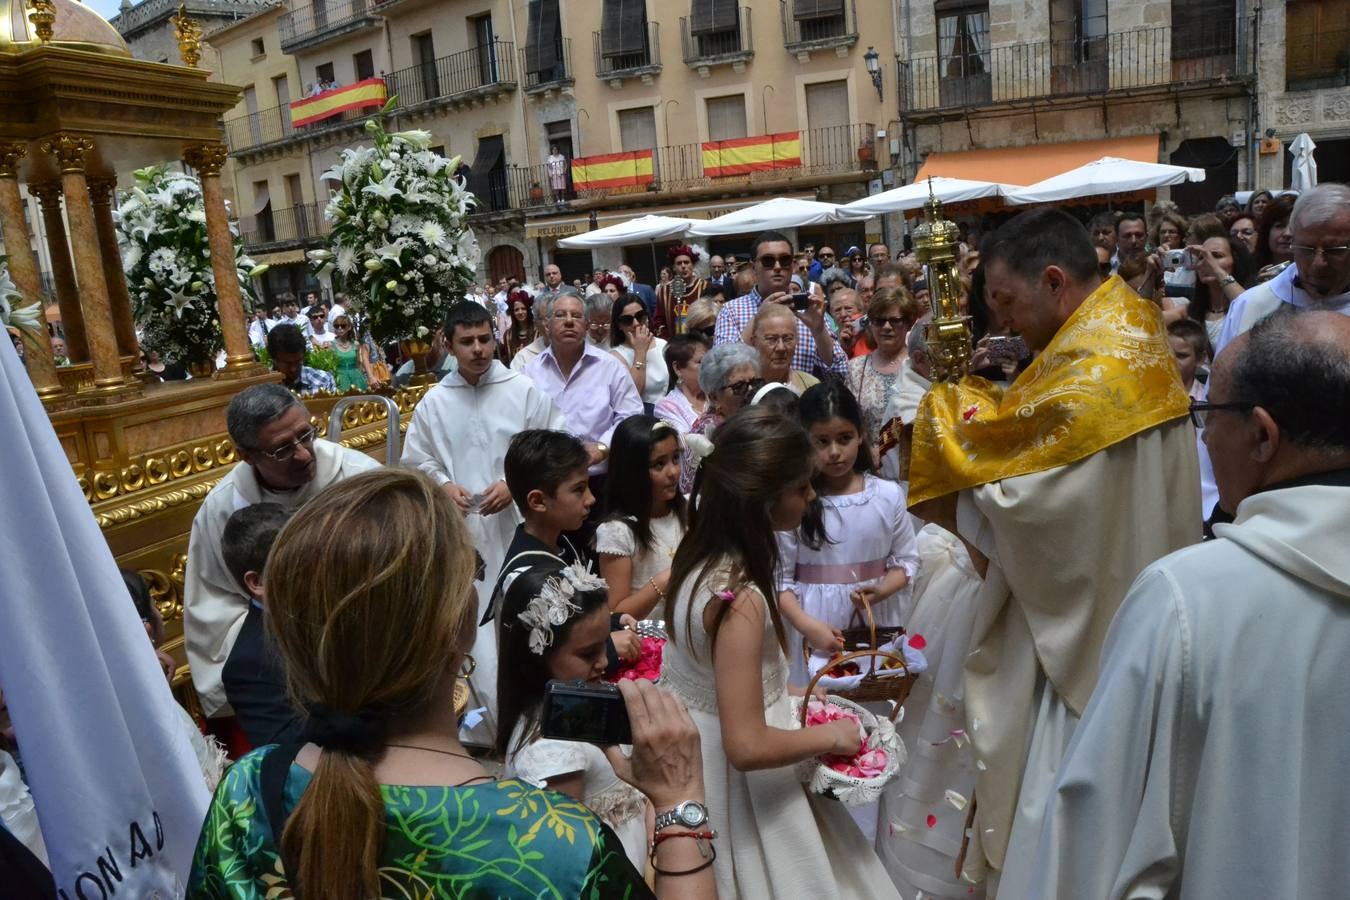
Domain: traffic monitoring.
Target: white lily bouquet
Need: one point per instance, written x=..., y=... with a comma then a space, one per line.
x=16, y=310
x=161, y=232
x=400, y=241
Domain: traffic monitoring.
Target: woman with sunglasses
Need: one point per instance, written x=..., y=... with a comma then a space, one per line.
x=729, y=375
x=873, y=378
x=353, y=363
x=638, y=349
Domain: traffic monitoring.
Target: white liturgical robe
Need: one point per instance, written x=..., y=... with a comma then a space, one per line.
x=214, y=603
x=1211, y=760
x=459, y=433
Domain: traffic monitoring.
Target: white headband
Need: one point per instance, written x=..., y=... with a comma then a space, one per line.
x=553, y=605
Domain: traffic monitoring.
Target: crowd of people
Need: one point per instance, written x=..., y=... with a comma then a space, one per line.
x=1119, y=539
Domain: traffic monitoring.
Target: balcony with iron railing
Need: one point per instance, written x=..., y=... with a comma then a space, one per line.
x=321, y=20
x=471, y=74
x=615, y=59
x=1317, y=60
x=712, y=43
x=1140, y=60
x=545, y=70
x=276, y=228
x=815, y=25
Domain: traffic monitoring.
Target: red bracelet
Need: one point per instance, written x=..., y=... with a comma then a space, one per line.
x=700, y=835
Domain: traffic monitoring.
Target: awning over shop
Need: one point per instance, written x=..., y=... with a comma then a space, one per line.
x=1026, y=165
x=565, y=226
x=280, y=258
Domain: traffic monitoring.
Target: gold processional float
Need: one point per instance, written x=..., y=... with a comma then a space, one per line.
x=75, y=111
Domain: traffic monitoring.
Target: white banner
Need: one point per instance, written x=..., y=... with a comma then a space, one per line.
x=119, y=792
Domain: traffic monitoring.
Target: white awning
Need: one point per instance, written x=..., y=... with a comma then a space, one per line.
x=780, y=212
x=1108, y=175
x=643, y=228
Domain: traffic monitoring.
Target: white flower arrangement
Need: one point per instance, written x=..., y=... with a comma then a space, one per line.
x=17, y=311
x=400, y=240
x=161, y=232
x=553, y=605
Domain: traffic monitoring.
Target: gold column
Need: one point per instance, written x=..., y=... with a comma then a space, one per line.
x=67, y=296
x=207, y=160
x=69, y=151
x=101, y=189
x=23, y=267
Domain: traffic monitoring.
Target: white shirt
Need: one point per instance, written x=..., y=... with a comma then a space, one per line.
x=657, y=383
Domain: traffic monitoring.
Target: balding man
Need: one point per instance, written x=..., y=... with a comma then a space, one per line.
x=282, y=460
x=1211, y=759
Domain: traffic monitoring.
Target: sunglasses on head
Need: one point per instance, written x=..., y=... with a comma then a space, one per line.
x=626, y=320
x=769, y=261
x=710, y=331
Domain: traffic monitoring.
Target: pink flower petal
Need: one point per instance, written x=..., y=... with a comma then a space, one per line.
x=932, y=820
x=917, y=641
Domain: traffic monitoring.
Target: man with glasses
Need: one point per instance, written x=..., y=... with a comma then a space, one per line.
x=286, y=348
x=282, y=460
x=1319, y=279
x=1222, y=687
x=816, y=347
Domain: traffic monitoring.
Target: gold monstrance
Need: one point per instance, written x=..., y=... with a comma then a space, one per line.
x=948, y=334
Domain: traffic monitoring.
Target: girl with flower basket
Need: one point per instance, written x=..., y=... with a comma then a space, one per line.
x=726, y=661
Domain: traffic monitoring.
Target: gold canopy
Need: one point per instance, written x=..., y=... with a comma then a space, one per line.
x=77, y=27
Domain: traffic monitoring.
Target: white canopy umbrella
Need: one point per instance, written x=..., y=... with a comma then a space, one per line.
x=914, y=196
x=634, y=231
x=1303, y=175
x=780, y=212
x=1108, y=175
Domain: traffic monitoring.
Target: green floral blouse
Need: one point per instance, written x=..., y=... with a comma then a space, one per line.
x=496, y=839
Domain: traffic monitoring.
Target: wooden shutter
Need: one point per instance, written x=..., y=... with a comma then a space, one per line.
x=712, y=16
x=623, y=28
x=803, y=10
x=541, y=42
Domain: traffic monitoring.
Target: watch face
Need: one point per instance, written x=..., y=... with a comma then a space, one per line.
x=692, y=814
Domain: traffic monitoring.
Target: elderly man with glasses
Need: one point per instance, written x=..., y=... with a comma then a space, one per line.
x=1318, y=280
x=282, y=461
x=816, y=347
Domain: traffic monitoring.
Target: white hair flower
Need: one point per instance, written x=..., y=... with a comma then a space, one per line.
x=555, y=604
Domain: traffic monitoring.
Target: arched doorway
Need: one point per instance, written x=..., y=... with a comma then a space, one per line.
x=505, y=261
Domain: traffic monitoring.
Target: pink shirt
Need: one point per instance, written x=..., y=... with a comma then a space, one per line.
x=595, y=397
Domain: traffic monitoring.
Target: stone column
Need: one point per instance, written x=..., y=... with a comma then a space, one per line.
x=67, y=296
x=207, y=160
x=69, y=151
x=101, y=190
x=23, y=267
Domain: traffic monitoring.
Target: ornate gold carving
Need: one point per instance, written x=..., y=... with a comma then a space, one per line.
x=151, y=505
x=207, y=159
x=166, y=588
x=189, y=36
x=48, y=194
x=10, y=154
x=101, y=190
x=42, y=14
x=69, y=150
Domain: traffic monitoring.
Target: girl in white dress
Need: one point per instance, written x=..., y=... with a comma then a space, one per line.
x=532, y=651
x=725, y=661
x=644, y=514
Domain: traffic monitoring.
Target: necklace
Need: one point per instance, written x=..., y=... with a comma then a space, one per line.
x=433, y=750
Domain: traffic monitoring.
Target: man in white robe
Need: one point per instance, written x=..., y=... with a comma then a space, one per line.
x=1064, y=485
x=458, y=436
x=281, y=461
x=1211, y=759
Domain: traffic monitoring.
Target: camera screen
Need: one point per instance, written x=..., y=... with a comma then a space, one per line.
x=574, y=717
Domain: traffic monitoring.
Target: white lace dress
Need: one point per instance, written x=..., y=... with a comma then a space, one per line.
x=616, y=538
x=774, y=839
x=615, y=801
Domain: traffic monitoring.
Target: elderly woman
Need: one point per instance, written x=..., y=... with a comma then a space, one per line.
x=873, y=378
x=1227, y=209
x=701, y=318
x=599, y=312
x=774, y=334
x=846, y=310
x=729, y=375
x=1169, y=231
x=835, y=279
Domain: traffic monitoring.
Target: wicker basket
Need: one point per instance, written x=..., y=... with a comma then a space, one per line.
x=851, y=790
x=875, y=685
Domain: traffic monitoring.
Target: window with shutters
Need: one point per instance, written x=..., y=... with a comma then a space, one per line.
x=716, y=28
x=1203, y=28
x=1316, y=44
x=544, y=57
x=726, y=117
x=813, y=21
x=637, y=128
x=624, y=39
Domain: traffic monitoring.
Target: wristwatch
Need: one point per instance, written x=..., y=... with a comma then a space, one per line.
x=690, y=814
x=1226, y=281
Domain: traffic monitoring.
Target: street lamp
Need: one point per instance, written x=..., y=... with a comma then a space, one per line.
x=873, y=61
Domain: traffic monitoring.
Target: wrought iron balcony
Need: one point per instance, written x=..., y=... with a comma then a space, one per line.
x=309, y=25
x=278, y=227
x=703, y=47
x=613, y=60
x=818, y=32
x=1146, y=58
x=468, y=74
x=538, y=76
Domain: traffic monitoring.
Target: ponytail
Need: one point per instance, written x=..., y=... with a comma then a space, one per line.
x=332, y=839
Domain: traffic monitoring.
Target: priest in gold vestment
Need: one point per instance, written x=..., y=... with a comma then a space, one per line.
x=1064, y=485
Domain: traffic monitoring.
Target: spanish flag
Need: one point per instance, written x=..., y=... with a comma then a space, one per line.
x=611, y=170
x=741, y=156
x=362, y=95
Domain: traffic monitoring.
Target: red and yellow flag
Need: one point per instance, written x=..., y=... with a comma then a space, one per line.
x=612, y=170
x=362, y=95
x=741, y=156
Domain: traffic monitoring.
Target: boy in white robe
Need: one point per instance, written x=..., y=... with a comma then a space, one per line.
x=1210, y=761
x=282, y=462
x=458, y=436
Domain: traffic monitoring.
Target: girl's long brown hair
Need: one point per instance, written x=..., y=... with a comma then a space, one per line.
x=757, y=455
x=368, y=600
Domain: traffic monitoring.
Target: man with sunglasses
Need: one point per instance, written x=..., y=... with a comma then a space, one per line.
x=773, y=259
x=286, y=347
x=282, y=460
x=1222, y=687
x=1319, y=279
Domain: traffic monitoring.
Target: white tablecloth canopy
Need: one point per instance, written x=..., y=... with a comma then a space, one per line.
x=914, y=196
x=634, y=231
x=1108, y=175
x=780, y=212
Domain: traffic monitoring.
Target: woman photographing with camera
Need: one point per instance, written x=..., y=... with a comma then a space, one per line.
x=371, y=606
